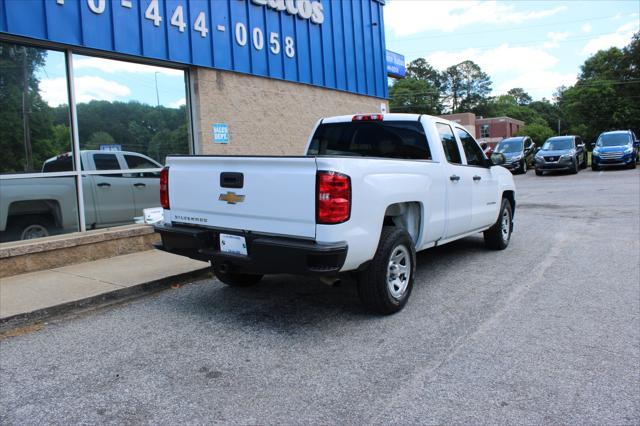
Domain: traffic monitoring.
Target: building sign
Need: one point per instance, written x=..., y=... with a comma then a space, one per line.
x=220, y=133
x=111, y=147
x=337, y=44
x=395, y=65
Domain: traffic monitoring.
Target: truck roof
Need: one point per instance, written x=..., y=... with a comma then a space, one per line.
x=386, y=117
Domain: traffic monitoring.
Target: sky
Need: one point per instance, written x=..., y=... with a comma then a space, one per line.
x=536, y=45
x=111, y=80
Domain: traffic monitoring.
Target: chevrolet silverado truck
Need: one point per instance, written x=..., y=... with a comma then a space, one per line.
x=371, y=191
x=42, y=206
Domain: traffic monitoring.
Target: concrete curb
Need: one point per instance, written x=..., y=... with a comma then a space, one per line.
x=100, y=300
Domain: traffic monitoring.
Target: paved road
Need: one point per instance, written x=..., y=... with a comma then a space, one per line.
x=546, y=331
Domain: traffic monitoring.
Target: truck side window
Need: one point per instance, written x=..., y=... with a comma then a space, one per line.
x=106, y=162
x=137, y=162
x=475, y=156
x=449, y=143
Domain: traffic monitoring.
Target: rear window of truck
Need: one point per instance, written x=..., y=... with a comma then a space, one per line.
x=386, y=139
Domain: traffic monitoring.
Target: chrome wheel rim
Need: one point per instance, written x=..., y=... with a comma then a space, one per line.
x=505, y=225
x=34, y=231
x=399, y=271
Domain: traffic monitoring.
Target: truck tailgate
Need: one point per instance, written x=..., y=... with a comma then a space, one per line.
x=277, y=194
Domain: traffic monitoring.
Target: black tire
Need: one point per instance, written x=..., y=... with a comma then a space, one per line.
x=234, y=279
x=28, y=227
x=576, y=167
x=539, y=172
x=494, y=237
x=373, y=285
x=523, y=167
x=584, y=164
x=594, y=167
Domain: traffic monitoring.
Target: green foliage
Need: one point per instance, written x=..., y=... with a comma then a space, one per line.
x=607, y=93
x=99, y=138
x=521, y=97
x=537, y=131
x=412, y=95
x=465, y=86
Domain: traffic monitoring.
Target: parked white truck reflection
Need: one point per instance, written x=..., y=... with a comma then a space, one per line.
x=42, y=206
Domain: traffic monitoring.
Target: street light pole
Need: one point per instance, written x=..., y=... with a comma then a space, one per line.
x=157, y=95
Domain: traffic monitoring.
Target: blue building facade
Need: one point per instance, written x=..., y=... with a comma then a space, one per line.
x=337, y=44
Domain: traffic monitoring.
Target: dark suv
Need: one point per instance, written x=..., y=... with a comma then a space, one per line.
x=561, y=153
x=518, y=152
x=615, y=148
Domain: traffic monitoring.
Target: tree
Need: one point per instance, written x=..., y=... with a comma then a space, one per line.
x=605, y=97
x=99, y=138
x=466, y=86
x=420, y=69
x=536, y=131
x=521, y=97
x=412, y=95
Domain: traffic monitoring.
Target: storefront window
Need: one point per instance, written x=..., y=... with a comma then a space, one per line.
x=35, y=140
x=130, y=117
x=34, y=108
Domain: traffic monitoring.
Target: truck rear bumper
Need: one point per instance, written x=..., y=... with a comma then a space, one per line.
x=266, y=254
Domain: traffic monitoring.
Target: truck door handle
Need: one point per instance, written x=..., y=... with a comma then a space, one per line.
x=454, y=178
x=476, y=178
x=139, y=185
x=103, y=184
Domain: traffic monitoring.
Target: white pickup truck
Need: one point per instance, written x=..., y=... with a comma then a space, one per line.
x=371, y=191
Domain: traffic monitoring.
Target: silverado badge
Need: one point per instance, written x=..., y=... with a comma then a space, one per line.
x=231, y=197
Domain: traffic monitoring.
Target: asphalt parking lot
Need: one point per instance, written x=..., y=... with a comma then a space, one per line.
x=547, y=331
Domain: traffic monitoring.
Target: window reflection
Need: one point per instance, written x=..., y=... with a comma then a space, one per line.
x=34, y=112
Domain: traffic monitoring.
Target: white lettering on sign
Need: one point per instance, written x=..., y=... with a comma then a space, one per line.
x=304, y=9
x=96, y=8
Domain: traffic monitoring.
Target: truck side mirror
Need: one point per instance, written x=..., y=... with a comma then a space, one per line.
x=497, y=159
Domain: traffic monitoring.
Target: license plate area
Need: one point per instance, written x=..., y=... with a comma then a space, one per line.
x=234, y=244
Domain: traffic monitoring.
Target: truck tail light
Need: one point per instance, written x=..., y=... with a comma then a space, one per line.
x=164, y=188
x=367, y=117
x=333, y=204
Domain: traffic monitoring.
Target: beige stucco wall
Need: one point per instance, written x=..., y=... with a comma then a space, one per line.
x=265, y=116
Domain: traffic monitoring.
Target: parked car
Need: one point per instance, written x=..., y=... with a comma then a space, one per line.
x=561, y=153
x=615, y=148
x=370, y=192
x=41, y=206
x=518, y=151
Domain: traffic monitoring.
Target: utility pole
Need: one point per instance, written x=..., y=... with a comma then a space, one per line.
x=157, y=95
x=26, y=114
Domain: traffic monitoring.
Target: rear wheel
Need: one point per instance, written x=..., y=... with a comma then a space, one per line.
x=594, y=167
x=384, y=287
x=234, y=279
x=29, y=227
x=498, y=236
x=539, y=172
x=584, y=162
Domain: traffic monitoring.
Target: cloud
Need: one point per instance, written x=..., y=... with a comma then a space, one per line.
x=538, y=83
x=178, y=103
x=532, y=68
x=54, y=91
x=555, y=39
x=411, y=17
x=500, y=59
x=88, y=88
x=620, y=38
x=586, y=28
x=111, y=66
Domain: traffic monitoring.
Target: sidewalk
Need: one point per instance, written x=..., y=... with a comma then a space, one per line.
x=41, y=294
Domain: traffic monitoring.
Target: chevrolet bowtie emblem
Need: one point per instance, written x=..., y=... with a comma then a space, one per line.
x=231, y=198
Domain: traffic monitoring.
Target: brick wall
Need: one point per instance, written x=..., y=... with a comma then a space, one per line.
x=265, y=116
